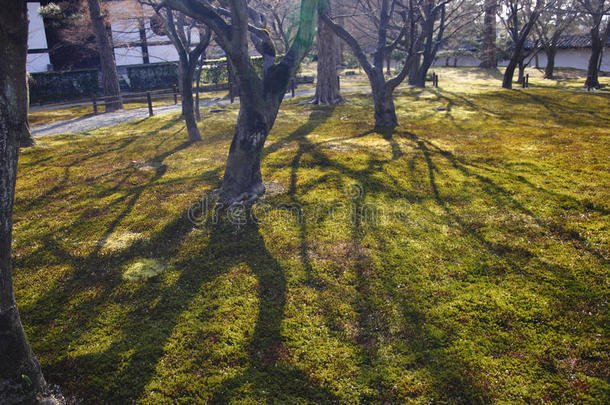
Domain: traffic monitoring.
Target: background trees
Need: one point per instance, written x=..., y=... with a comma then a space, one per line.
x=519, y=18
x=551, y=24
x=390, y=20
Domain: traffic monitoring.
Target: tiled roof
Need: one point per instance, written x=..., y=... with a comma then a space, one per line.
x=577, y=41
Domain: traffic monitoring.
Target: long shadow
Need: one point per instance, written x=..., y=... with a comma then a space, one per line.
x=503, y=197
x=268, y=370
x=138, y=371
x=149, y=328
x=372, y=289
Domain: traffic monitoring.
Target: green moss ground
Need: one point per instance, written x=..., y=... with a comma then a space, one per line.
x=484, y=278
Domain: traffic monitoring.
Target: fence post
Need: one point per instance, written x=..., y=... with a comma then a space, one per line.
x=149, y=100
x=175, y=95
x=293, y=87
x=338, y=82
x=94, y=104
x=527, y=80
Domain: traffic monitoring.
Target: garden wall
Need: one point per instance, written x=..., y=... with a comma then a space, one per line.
x=152, y=76
x=60, y=86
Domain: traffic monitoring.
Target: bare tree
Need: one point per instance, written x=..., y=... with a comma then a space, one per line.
x=234, y=23
x=438, y=20
x=519, y=17
x=110, y=78
x=385, y=16
x=551, y=25
x=179, y=30
x=21, y=380
x=283, y=20
x=598, y=12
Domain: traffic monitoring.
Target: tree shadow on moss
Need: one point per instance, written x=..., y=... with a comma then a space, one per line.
x=374, y=288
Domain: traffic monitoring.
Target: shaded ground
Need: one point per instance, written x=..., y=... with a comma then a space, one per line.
x=475, y=271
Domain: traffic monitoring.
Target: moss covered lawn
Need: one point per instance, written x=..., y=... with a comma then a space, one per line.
x=478, y=272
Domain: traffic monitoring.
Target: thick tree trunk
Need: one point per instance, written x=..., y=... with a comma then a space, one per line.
x=110, y=78
x=327, y=86
x=21, y=379
x=385, y=111
x=489, y=60
x=419, y=78
x=185, y=75
x=243, y=181
x=549, y=70
x=593, y=68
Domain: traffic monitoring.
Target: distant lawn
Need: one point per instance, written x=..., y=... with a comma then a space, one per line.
x=478, y=274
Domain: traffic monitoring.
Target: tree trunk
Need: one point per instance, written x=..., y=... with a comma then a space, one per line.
x=489, y=60
x=26, y=139
x=327, y=86
x=414, y=71
x=197, y=111
x=260, y=97
x=596, y=49
x=21, y=379
x=549, y=70
x=185, y=75
x=521, y=76
x=419, y=78
x=507, y=81
x=243, y=180
x=385, y=111
x=110, y=78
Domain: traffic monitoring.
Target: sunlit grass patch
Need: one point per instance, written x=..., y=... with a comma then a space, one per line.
x=143, y=269
x=459, y=258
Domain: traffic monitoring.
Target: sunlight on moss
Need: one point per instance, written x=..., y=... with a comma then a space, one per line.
x=483, y=281
x=143, y=269
x=119, y=241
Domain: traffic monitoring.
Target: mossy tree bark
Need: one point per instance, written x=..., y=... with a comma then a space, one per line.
x=110, y=78
x=21, y=380
x=260, y=97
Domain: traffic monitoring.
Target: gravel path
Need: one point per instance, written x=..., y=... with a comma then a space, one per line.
x=91, y=122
